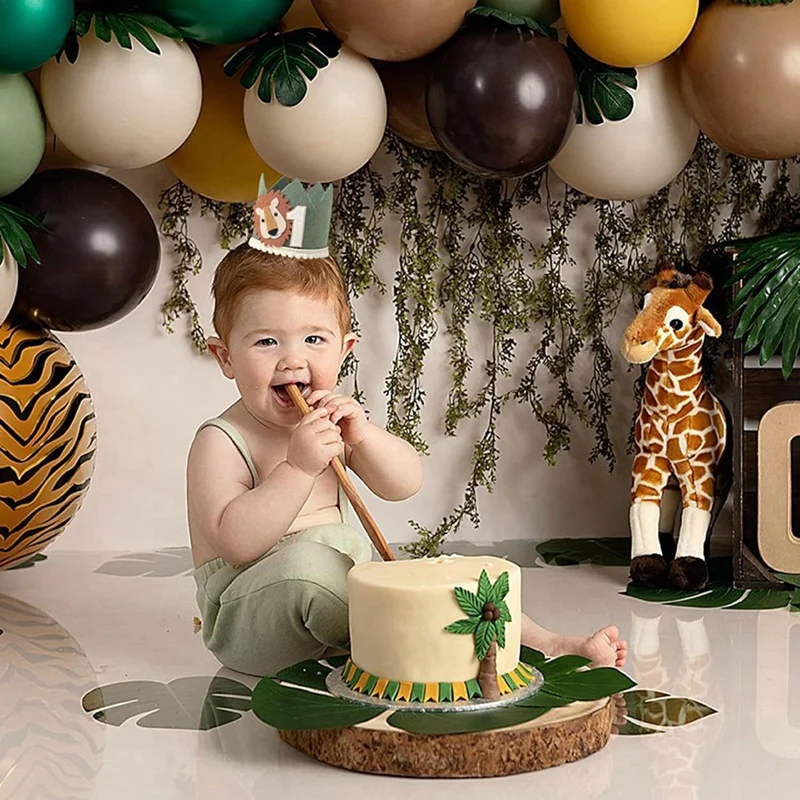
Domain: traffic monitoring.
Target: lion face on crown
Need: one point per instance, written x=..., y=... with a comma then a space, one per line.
x=271, y=219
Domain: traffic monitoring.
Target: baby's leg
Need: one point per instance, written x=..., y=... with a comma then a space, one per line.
x=286, y=608
x=604, y=647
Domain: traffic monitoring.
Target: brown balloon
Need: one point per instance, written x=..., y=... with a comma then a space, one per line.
x=393, y=30
x=501, y=100
x=99, y=251
x=740, y=80
x=404, y=83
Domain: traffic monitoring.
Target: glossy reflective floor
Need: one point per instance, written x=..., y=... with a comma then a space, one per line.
x=76, y=622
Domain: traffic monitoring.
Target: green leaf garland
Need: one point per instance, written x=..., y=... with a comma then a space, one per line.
x=509, y=18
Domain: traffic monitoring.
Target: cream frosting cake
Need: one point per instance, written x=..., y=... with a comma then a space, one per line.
x=399, y=612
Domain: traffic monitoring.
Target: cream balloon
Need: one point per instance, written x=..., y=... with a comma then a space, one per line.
x=332, y=132
x=123, y=108
x=9, y=278
x=56, y=156
x=636, y=156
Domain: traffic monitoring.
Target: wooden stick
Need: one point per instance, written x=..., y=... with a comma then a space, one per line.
x=370, y=526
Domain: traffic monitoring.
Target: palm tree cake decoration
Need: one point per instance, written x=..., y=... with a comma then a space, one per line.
x=487, y=615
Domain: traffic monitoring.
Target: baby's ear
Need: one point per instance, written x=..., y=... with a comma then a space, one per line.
x=348, y=343
x=222, y=355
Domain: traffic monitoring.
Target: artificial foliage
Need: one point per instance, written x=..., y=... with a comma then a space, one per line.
x=496, y=264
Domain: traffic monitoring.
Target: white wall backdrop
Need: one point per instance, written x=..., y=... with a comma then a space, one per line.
x=151, y=391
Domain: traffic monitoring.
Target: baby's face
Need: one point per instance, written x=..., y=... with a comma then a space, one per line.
x=280, y=338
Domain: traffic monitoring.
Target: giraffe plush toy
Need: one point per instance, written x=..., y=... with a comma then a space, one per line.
x=680, y=429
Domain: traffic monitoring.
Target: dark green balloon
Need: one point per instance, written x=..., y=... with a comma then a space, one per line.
x=218, y=22
x=32, y=31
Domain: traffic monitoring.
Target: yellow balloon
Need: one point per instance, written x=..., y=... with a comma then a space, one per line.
x=301, y=14
x=629, y=33
x=218, y=160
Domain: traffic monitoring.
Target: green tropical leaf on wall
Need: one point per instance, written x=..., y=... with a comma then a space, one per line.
x=658, y=711
x=124, y=26
x=768, y=268
x=284, y=63
x=605, y=91
x=193, y=703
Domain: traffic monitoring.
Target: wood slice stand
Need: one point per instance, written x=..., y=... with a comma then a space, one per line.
x=508, y=751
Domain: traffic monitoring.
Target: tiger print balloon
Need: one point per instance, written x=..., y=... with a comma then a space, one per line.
x=47, y=440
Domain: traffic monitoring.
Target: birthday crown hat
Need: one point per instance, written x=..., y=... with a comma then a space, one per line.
x=289, y=220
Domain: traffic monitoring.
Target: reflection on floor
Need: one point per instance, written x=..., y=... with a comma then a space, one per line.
x=169, y=723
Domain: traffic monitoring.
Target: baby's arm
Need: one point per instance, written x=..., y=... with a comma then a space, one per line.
x=241, y=523
x=389, y=465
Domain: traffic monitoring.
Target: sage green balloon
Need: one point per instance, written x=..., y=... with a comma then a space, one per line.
x=21, y=132
x=32, y=31
x=544, y=11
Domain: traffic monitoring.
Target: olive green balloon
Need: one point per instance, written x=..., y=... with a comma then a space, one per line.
x=32, y=31
x=544, y=11
x=21, y=132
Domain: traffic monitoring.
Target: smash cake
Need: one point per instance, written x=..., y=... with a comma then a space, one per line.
x=443, y=629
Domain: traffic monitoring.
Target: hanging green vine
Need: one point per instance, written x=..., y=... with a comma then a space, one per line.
x=496, y=257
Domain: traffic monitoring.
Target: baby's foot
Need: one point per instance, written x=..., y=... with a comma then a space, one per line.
x=604, y=647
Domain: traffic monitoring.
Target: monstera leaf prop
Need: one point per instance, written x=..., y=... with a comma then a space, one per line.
x=297, y=699
x=769, y=299
x=283, y=62
x=603, y=89
x=13, y=222
x=124, y=26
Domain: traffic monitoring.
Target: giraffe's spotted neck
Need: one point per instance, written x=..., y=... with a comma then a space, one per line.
x=674, y=384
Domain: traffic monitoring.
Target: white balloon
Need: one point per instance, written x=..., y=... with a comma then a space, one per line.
x=123, y=108
x=636, y=156
x=332, y=132
x=9, y=278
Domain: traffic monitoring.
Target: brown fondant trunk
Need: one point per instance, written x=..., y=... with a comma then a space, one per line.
x=487, y=677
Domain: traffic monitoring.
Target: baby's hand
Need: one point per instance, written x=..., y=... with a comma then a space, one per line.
x=314, y=443
x=344, y=411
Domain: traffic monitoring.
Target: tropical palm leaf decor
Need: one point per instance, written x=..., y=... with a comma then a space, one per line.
x=487, y=614
x=297, y=699
x=613, y=551
x=282, y=62
x=124, y=25
x=486, y=12
x=768, y=268
x=13, y=222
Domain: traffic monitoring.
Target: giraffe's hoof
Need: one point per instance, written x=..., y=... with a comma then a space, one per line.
x=649, y=571
x=689, y=573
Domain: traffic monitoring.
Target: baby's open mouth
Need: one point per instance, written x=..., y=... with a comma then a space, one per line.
x=281, y=395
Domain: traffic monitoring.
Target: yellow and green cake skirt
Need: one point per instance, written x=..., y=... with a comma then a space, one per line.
x=384, y=689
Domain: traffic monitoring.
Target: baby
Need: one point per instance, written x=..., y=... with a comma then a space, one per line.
x=270, y=539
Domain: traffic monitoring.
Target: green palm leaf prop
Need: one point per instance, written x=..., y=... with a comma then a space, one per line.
x=124, y=26
x=284, y=63
x=13, y=224
x=509, y=18
x=768, y=268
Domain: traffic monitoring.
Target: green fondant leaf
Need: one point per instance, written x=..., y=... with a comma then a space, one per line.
x=473, y=688
x=287, y=709
x=531, y=657
x=499, y=590
x=468, y=602
x=445, y=692
x=485, y=634
x=500, y=632
x=563, y=665
x=370, y=685
x=593, y=684
x=505, y=614
x=307, y=673
x=464, y=625
x=392, y=688
x=417, y=692
x=484, y=588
